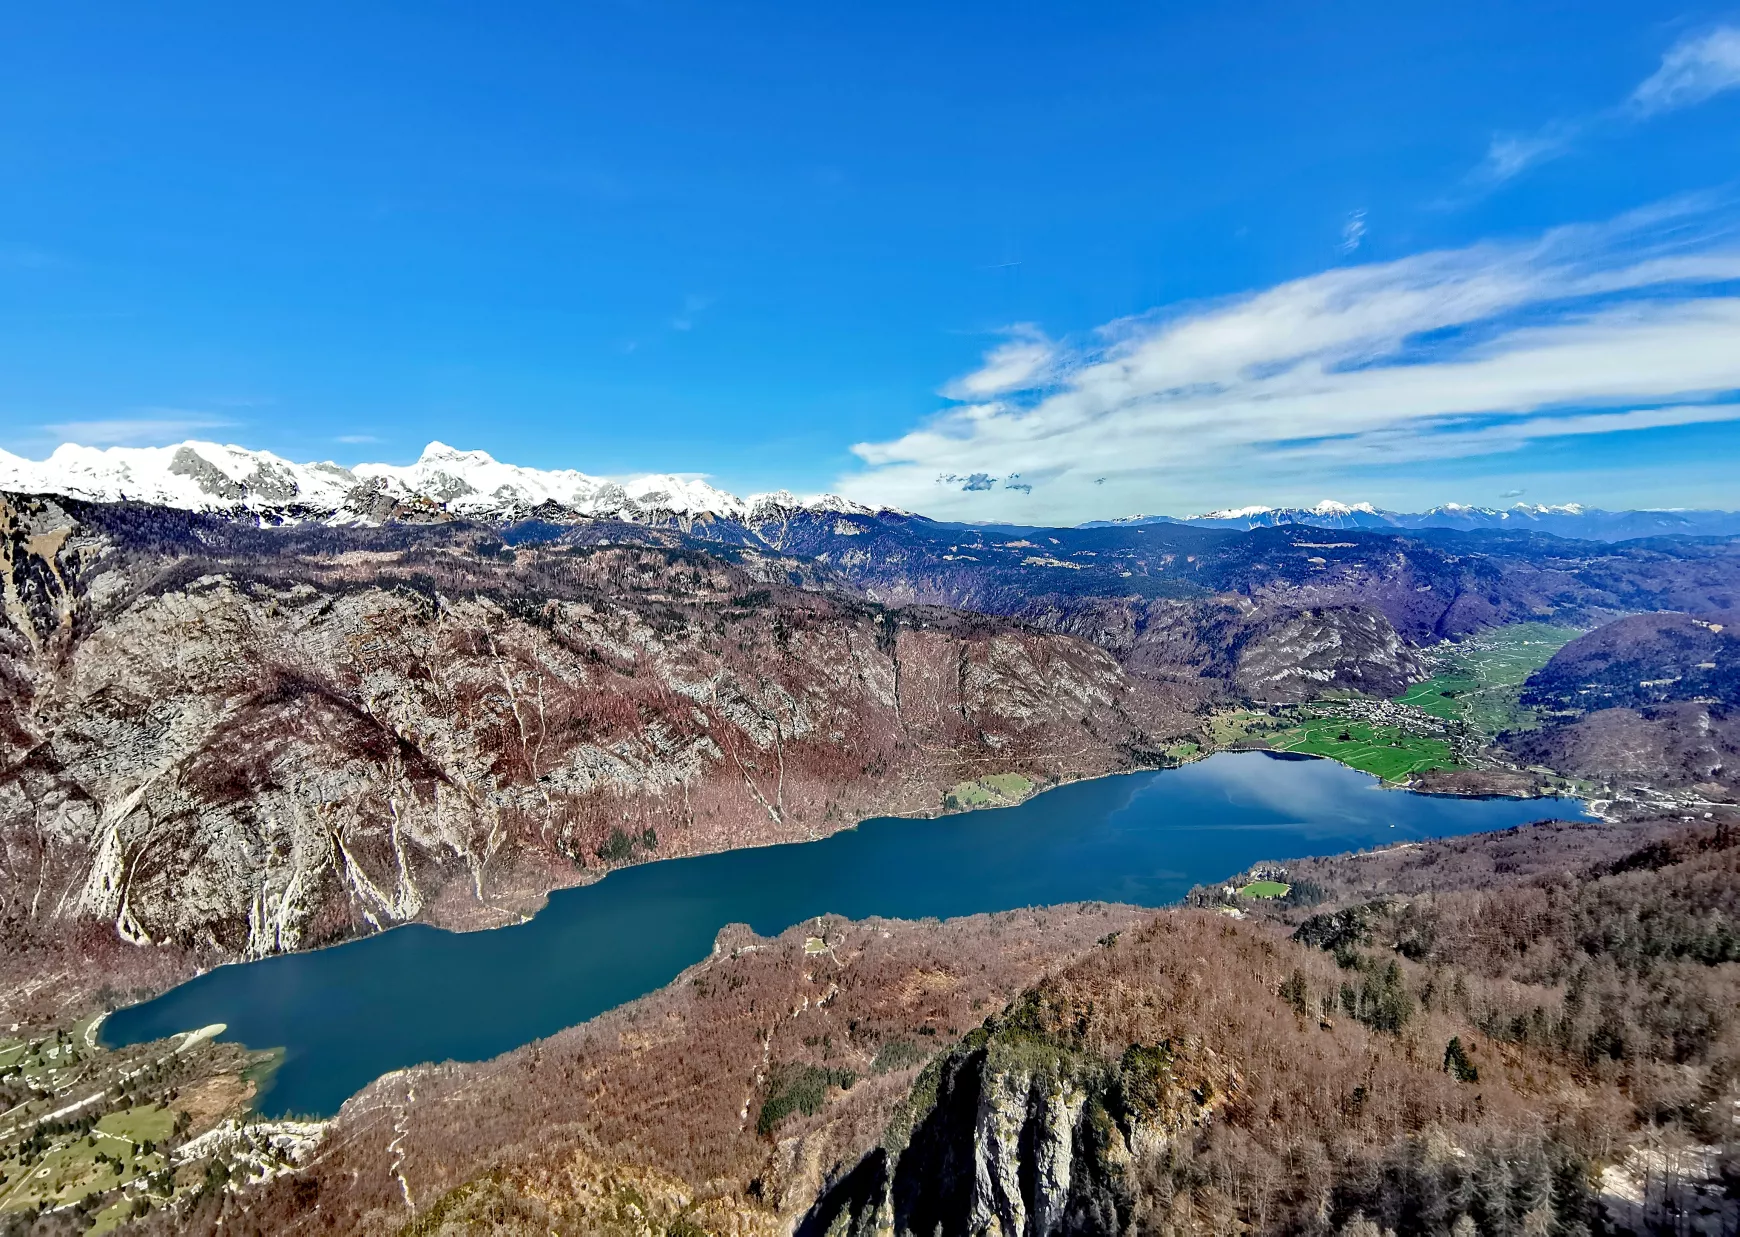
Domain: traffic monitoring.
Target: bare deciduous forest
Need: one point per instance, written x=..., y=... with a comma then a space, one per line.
x=1524, y=1032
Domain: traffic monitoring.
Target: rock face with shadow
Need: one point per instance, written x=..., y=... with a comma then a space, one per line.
x=221, y=741
x=1020, y=1132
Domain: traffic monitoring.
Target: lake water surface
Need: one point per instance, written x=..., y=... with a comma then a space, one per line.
x=348, y=1014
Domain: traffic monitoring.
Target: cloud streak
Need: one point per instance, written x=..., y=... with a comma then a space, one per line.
x=1512, y=154
x=1585, y=330
x=152, y=426
x=1014, y=365
x=1694, y=70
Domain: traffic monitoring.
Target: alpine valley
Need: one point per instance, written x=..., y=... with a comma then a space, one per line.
x=250, y=707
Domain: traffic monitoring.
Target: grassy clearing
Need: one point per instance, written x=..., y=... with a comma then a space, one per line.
x=1265, y=889
x=110, y=1217
x=1387, y=751
x=1236, y=725
x=146, y=1123
x=1390, y=752
x=992, y=790
x=70, y=1171
x=1482, y=677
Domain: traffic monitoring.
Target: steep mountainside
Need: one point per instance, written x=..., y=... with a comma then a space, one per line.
x=235, y=741
x=1652, y=698
x=237, y=738
x=1643, y=660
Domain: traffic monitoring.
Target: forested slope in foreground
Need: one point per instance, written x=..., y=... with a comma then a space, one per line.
x=1526, y=1032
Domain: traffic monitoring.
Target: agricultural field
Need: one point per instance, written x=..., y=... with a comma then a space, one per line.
x=1391, y=749
x=993, y=790
x=1233, y=727
x=1390, y=752
x=1446, y=722
x=1481, y=677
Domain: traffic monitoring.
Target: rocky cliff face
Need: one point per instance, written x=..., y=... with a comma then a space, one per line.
x=1268, y=652
x=235, y=739
x=1018, y=1132
x=239, y=741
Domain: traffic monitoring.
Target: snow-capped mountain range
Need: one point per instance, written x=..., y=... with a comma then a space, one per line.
x=229, y=480
x=1565, y=520
x=447, y=482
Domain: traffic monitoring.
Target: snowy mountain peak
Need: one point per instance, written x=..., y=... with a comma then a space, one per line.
x=1543, y=509
x=232, y=480
x=438, y=451
x=1562, y=519
x=1233, y=513
x=197, y=476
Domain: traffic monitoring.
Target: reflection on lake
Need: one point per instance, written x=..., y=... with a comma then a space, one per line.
x=348, y=1014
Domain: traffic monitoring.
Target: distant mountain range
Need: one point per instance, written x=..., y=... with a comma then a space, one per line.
x=1567, y=520
x=446, y=482
x=229, y=480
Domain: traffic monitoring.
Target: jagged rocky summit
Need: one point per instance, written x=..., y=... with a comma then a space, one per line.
x=445, y=481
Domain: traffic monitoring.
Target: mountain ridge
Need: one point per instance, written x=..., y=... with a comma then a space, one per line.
x=446, y=482
x=236, y=481
x=1564, y=519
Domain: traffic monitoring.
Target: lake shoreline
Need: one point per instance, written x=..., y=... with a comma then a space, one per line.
x=1140, y=841
x=589, y=879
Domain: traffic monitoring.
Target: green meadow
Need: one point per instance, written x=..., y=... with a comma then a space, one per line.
x=1387, y=751
x=1482, y=677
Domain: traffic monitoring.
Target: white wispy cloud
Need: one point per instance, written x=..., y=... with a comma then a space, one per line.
x=1694, y=69
x=151, y=427
x=1586, y=330
x=1017, y=364
x=1511, y=154
x=1353, y=232
x=693, y=305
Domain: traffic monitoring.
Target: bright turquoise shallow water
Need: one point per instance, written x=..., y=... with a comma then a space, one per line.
x=349, y=1014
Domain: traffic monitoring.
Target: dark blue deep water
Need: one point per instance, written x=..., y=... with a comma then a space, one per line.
x=348, y=1014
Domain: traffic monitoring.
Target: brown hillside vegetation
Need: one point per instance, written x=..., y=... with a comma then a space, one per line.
x=1651, y=698
x=727, y=1097
x=225, y=742
x=1525, y=1032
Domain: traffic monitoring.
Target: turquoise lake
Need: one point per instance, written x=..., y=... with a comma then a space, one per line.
x=348, y=1014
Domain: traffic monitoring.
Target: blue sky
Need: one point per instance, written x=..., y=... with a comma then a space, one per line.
x=1012, y=261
